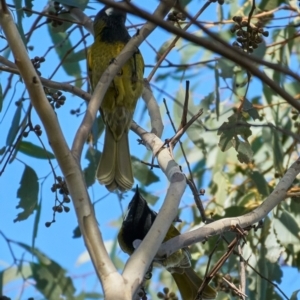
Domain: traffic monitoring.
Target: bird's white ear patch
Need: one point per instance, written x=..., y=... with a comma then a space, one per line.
x=109, y=11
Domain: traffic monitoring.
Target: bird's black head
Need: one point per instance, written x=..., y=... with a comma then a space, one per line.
x=138, y=220
x=111, y=16
x=109, y=24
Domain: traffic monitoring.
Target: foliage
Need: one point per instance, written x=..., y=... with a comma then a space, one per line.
x=238, y=150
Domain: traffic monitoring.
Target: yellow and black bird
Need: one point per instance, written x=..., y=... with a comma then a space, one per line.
x=111, y=36
x=135, y=226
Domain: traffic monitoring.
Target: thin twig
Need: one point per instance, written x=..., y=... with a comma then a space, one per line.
x=242, y=272
x=235, y=289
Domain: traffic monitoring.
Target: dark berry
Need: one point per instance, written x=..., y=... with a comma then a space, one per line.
x=48, y=224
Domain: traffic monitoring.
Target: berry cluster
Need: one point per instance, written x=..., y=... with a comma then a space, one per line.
x=202, y=192
x=295, y=114
x=56, y=99
x=37, y=63
x=57, y=9
x=62, y=188
x=176, y=16
x=142, y=294
x=75, y=111
x=37, y=129
x=223, y=286
x=248, y=37
x=167, y=295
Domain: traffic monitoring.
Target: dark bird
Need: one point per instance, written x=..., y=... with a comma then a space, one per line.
x=111, y=36
x=135, y=226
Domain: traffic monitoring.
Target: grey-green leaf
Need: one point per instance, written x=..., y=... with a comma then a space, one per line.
x=142, y=172
x=35, y=151
x=260, y=182
x=82, y=4
x=28, y=194
x=13, y=130
x=93, y=156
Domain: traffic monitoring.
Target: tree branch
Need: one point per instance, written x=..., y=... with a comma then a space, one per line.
x=69, y=166
x=141, y=259
x=223, y=225
x=10, y=67
x=221, y=47
x=157, y=125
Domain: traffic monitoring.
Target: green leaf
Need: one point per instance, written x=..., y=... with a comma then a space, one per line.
x=2, y=150
x=28, y=194
x=50, y=278
x=76, y=56
x=277, y=153
x=235, y=211
x=34, y=151
x=178, y=105
x=261, y=184
x=20, y=21
x=261, y=50
x=87, y=295
x=163, y=48
x=43, y=259
x=193, y=108
x=226, y=68
x=93, y=156
x=257, y=144
x=267, y=5
x=76, y=233
x=273, y=248
x=36, y=223
x=263, y=270
x=292, y=87
x=64, y=26
x=231, y=133
x=82, y=4
x=217, y=93
x=245, y=153
x=142, y=172
x=63, y=45
x=220, y=181
x=187, y=52
x=294, y=205
x=199, y=171
x=207, y=101
x=13, y=273
x=294, y=295
x=152, y=199
x=28, y=5
x=1, y=97
x=51, y=281
x=97, y=129
x=184, y=3
x=286, y=238
x=14, y=128
x=248, y=108
x=246, y=199
x=196, y=129
x=226, y=141
x=290, y=223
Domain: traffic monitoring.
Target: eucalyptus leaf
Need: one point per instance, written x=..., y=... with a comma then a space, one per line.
x=28, y=193
x=14, y=128
x=142, y=172
x=35, y=151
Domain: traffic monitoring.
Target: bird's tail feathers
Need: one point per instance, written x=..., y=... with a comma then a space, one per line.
x=114, y=169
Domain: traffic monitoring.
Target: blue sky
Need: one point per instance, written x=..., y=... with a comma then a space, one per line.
x=57, y=241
